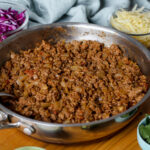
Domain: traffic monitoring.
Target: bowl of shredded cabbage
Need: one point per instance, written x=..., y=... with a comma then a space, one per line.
x=13, y=18
x=134, y=22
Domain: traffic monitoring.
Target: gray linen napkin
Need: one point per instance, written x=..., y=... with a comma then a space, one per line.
x=92, y=11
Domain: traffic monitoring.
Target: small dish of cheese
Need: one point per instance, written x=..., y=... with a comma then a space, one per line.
x=135, y=22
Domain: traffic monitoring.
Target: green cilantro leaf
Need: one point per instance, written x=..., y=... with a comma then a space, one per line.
x=144, y=130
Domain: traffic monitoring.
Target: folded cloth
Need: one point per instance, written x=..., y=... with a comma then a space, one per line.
x=86, y=11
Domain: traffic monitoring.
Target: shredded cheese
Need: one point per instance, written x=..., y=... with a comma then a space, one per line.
x=135, y=21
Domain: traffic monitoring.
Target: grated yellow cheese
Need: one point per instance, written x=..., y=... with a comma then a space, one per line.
x=135, y=21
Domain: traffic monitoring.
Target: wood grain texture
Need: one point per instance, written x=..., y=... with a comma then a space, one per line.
x=125, y=139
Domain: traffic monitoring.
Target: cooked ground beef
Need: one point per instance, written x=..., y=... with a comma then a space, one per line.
x=75, y=82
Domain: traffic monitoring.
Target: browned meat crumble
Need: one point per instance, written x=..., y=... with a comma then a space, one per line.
x=75, y=82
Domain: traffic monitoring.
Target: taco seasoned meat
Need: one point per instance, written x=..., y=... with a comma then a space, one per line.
x=74, y=82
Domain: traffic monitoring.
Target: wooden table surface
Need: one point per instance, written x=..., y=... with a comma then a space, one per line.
x=126, y=139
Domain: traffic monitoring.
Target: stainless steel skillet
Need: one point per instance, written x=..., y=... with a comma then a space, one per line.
x=73, y=133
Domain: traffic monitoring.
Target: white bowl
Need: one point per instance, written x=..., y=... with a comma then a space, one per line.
x=143, y=144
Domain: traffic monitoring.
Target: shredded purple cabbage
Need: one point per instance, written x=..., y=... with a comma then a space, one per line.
x=10, y=20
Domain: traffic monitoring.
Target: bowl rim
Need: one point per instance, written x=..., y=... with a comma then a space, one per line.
x=75, y=24
x=22, y=8
x=139, y=135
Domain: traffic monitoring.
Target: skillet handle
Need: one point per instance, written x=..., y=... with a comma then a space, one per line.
x=4, y=122
x=10, y=125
